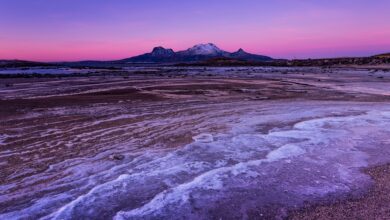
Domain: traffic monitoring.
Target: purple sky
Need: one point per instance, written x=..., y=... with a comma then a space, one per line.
x=58, y=30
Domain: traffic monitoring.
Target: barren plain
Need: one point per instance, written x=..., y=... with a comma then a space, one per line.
x=191, y=142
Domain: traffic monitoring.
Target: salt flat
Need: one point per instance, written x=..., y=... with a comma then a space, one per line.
x=193, y=143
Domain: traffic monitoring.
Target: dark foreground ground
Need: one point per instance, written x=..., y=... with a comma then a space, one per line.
x=196, y=143
x=374, y=204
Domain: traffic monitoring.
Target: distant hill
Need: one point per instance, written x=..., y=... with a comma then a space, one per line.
x=373, y=60
x=224, y=61
x=384, y=55
x=21, y=63
x=200, y=52
x=326, y=62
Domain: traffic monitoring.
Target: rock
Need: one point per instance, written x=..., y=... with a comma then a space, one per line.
x=117, y=157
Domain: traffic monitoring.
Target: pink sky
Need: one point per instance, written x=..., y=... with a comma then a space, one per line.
x=45, y=30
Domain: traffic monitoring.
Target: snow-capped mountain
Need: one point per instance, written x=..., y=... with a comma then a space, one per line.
x=199, y=52
x=203, y=49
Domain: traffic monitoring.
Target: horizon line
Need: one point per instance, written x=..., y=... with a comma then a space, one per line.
x=178, y=50
x=101, y=60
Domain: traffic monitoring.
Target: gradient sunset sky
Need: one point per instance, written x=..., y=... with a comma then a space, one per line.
x=68, y=30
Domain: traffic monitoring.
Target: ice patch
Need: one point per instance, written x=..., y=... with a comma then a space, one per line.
x=386, y=114
x=203, y=138
x=236, y=163
x=3, y=138
x=286, y=151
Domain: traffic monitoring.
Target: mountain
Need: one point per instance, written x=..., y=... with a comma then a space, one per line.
x=242, y=55
x=159, y=54
x=203, y=49
x=162, y=52
x=200, y=52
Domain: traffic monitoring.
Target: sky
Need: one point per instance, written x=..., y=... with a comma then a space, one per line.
x=70, y=30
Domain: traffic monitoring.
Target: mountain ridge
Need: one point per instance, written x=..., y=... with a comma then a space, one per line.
x=199, y=52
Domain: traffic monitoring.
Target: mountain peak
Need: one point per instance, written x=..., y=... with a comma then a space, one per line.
x=158, y=48
x=206, y=45
x=161, y=51
x=205, y=49
x=240, y=51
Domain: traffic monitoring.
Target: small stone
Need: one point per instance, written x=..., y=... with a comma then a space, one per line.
x=117, y=157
